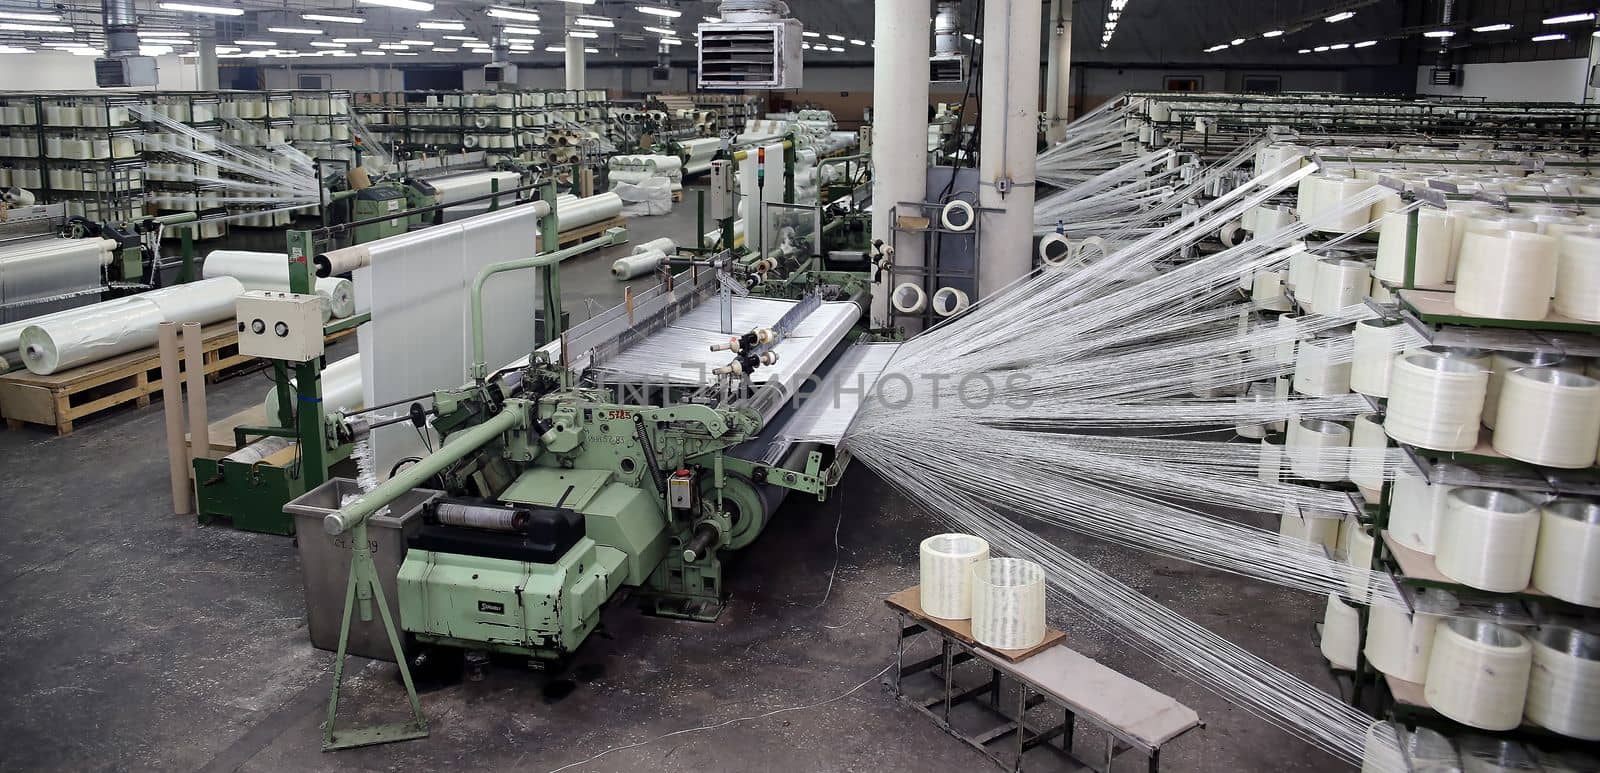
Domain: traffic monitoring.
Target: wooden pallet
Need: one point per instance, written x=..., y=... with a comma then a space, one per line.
x=60, y=399
x=585, y=233
x=677, y=196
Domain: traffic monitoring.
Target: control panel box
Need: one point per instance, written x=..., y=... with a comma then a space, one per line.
x=280, y=326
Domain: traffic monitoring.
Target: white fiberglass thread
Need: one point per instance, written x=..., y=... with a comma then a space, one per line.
x=1008, y=603
x=1436, y=402
x=1549, y=417
x=1567, y=562
x=1487, y=539
x=946, y=574
x=1478, y=673
x=1564, y=687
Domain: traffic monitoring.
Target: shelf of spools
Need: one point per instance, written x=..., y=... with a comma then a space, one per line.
x=79, y=149
x=1546, y=580
x=181, y=183
x=257, y=119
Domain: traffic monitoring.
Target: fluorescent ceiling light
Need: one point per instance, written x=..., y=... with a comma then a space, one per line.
x=227, y=49
x=1438, y=34
x=805, y=46
x=15, y=16
x=374, y=53
x=655, y=10
x=256, y=42
x=1338, y=46
x=218, y=10
x=332, y=18
x=154, y=50
x=462, y=37
x=1548, y=38
x=158, y=34
x=405, y=53
x=321, y=44
x=838, y=38
x=416, y=42
x=556, y=49
x=582, y=34
x=855, y=42
x=87, y=52
x=513, y=31
x=660, y=30
x=409, y=5
x=1338, y=17
x=520, y=42
x=352, y=40
x=517, y=14
x=671, y=42
x=1272, y=33
x=392, y=46
x=578, y=2
x=26, y=27
x=810, y=34
x=445, y=50
x=342, y=53
x=1569, y=18
x=1235, y=41
x=591, y=50
x=593, y=21
x=14, y=50
x=1501, y=27
x=1305, y=50
x=453, y=26
x=712, y=19
x=1216, y=48
x=1320, y=49
x=1365, y=44
x=295, y=30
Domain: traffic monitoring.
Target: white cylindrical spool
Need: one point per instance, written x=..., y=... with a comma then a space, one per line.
x=339, y=296
x=1567, y=562
x=1549, y=417
x=1356, y=542
x=1564, y=686
x=636, y=265
x=1399, y=643
x=1231, y=233
x=1340, y=282
x=1302, y=277
x=1257, y=394
x=1369, y=447
x=1511, y=275
x=1436, y=402
x=1322, y=366
x=1478, y=673
x=949, y=301
x=1501, y=363
x=1578, y=278
x=1341, y=633
x=1289, y=337
x=1008, y=603
x=1054, y=249
x=958, y=215
x=1376, y=342
x=909, y=298
x=1269, y=465
x=664, y=245
x=1266, y=290
x=1311, y=449
x=1417, y=507
x=947, y=562
x=1488, y=539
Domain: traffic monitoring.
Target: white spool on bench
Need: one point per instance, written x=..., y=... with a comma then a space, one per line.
x=947, y=562
x=1564, y=687
x=1566, y=564
x=1487, y=539
x=1311, y=449
x=1008, y=603
x=1054, y=249
x=1340, y=283
x=1478, y=673
x=1549, y=417
x=1266, y=289
x=1511, y=275
x=1322, y=365
x=1436, y=402
x=1399, y=644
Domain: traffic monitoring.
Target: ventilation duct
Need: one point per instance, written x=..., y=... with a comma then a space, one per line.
x=500, y=71
x=122, y=65
x=755, y=46
x=948, y=64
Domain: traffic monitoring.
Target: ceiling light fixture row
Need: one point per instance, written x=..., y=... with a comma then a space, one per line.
x=1113, y=16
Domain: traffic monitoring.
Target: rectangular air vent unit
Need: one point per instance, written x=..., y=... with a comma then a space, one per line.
x=125, y=71
x=947, y=69
x=751, y=55
x=661, y=73
x=1445, y=76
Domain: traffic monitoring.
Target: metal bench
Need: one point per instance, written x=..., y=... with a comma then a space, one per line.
x=1134, y=716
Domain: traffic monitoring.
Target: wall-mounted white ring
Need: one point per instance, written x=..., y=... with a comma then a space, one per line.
x=958, y=215
x=908, y=298
x=948, y=302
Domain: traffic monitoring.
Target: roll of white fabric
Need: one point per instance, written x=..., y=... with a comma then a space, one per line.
x=1578, y=278
x=1436, y=402
x=1478, y=673
x=206, y=301
x=93, y=333
x=1375, y=343
x=1501, y=363
x=1008, y=603
x=1567, y=562
x=1322, y=366
x=1369, y=447
x=1316, y=449
x=339, y=296
x=1340, y=282
x=1549, y=417
x=637, y=265
x=1506, y=276
x=1564, y=684
x=947, y=563
x=1488, y=539
x=1341, y=633
x=663, y=245
x=574, y=212
x=1399, y=643
x=341, y=389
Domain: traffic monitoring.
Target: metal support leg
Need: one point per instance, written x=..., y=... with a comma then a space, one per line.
x=1022, y=723
x=949, y=676
x=1070, y=724
x=1155, y=760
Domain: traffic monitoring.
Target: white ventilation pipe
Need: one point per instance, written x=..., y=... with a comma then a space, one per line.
x=947, y=30
x=121, y=28
x=1006, y=155
x=574, y=55
x=899, y=131
x=1058, y=73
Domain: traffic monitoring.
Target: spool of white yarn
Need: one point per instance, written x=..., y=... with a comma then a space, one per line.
x=1322, y=365
x=1375, y=343
x=1399, y=643
x=1369, y=447
x=1341, y=633
x=1315, y=449
x=1266, y=290
x=1269, y=463
x=1501, y=363
x=1290, y=334
x=957, y=215
x=1302, y=277
x=1564, y=686
x=1008, y=597
x=946, y=567
x=1356, y=543
x=1578, y=278
x=1416, y=507
x=1436, y=402
x=664, y=245
x=1567, y=562
x=949, y=301
x=1054, y=249
x=1380, y=292
x=1478, y=673
x=1340, y=282
x=1258, y=394
x=1511, y=275
x=1549, y=417
x=1487, y=539
x=909, y=298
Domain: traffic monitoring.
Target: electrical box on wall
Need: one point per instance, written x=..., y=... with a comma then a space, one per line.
x=761, y=54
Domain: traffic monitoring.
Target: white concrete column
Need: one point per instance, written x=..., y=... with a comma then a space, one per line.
x=899, y=128
x=1058, y=75
x=1590, y=93
x=575, y=74
x=1006, y=155
x=205, y=63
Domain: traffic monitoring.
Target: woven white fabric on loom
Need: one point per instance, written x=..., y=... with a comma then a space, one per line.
x=828, y=411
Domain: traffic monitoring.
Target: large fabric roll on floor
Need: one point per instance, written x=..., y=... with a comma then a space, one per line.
x=573, y=212
x=270, y=271
x=108, y=329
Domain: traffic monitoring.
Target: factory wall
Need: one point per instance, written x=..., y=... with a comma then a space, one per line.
x=1554, y=80
x=52, y=71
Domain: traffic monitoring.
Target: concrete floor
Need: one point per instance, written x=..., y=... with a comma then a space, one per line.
x=138, y=640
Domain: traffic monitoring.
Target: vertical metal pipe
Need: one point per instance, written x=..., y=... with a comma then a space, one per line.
x=899, y=129
x=575, y=64
x=172, y=410
x=194, y=360
x=1058, y=77
x=206, y=63
x=1007, y=151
